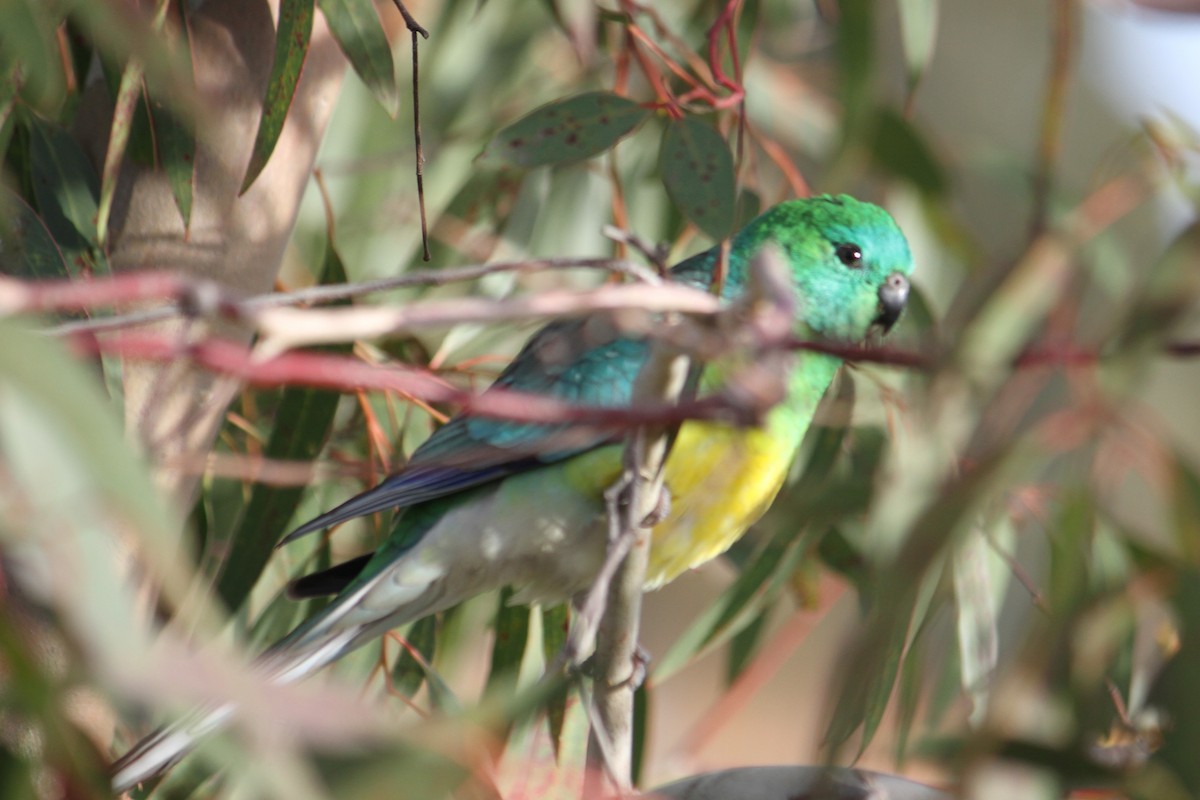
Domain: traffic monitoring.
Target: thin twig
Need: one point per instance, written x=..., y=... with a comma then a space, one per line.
x=1053, y=112
x=656, y=254
x=419, y=155
x=409, y=20
x=18, y=296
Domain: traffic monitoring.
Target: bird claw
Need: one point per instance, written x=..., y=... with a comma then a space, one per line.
x=661, y=510
x=640, y=664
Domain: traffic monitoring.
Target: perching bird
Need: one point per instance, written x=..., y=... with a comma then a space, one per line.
x=489, y=503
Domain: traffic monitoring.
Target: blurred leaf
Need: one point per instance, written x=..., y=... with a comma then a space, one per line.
x=914, y=675
x=176, y=155
x=33, y=700
x=174, y=139
x=900, y=151
x=918, y=32
x=508, y=648
x=842, y=557
x=27, y=39
x=641, y=721
x=554, y=639
x=302, y=424
x=697, y=170
x=877, y=676
x=1176, y=689
x=124, y=106
x=284, y=613
x=565, y=131
x=976, y=602
x=356, y=27
x=26, y=247
x=67, y=393
x=16, y=778
x=291, y=49
x=1186, y=510
x=408, y=673
x=1070, y=539
x=904, y=587
x=9, y=84
x=65, y=187
x=856, y=59
x=122, y=31
x=737, y=606
x=743, y=646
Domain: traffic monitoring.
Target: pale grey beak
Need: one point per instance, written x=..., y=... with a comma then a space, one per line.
x=893, y=296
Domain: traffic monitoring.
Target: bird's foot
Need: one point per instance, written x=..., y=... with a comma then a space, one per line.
x=640, y=664
x=661, y=510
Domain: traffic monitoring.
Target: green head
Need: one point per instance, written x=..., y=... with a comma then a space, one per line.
x=849, y=260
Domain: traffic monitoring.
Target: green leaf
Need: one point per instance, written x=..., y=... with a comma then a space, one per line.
x=176, y=146
x=508, y=648
x=872, y=678
x=26, y=247
x=408, y=673
x=856, y=57
x=900, y=151
x=356, y=27
x=65, y=186
x=697, y=170
x=743, y=646
x=756, y=584
x=302, y=424
x=124, y=107
x=554, y=638
x=565, y=131
x=641, y=723
x=28, y=46
x=291, y=49
x=9, y=82
x=174, y=140
x=913, y=676
x=1176, y=688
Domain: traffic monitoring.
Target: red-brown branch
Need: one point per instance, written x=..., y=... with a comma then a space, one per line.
x=342, y=373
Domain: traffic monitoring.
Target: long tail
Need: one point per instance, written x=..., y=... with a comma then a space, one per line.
x=315, y=643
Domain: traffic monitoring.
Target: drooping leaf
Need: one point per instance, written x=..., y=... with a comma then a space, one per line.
x=756, y=584
x=65, y=186
x=356, y=27
x=565, y=131
x=124, y=107
x=408, y=673
x=302, y=424
x=554, y=638
x=174, y=138
x=26, y=247
x=744, y=645
x=291, y=49
x=508, y=648
x=697, y=170
x=641, y=723
x=27, y=46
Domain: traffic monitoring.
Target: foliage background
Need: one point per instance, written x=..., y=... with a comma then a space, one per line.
x=1018, y=521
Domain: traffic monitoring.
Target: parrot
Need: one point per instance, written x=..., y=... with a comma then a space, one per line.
x=487, y=503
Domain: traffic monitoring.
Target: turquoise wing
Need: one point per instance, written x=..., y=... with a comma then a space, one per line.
x=582, y=361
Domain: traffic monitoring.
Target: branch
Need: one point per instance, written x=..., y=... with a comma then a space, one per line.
x=343, y=373
x=191, y=296
x=611, y=612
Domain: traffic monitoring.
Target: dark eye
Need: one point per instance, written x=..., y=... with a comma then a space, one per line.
x=850, y=255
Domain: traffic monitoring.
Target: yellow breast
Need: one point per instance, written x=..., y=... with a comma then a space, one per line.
x=721, y=481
